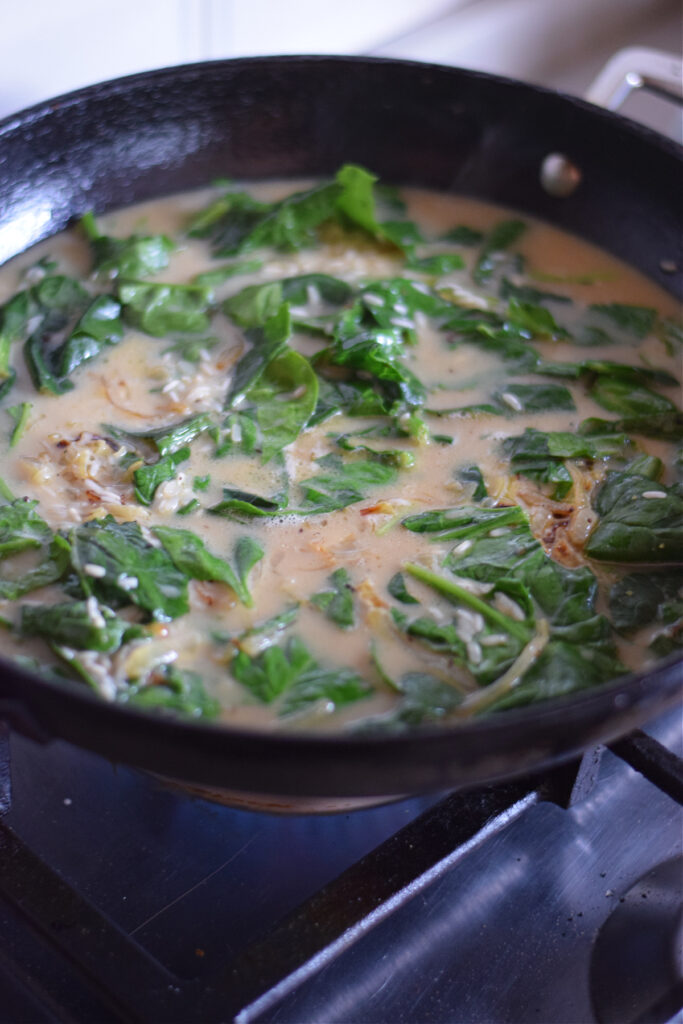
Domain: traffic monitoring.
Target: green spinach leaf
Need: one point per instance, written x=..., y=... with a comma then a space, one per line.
x=176, y=690
x=148, y=478
x=85, y=625
x=163, y=309
x=131, y=257
x=501, y=237
x=337, y=603
x=135, y=572
x=191, y=557
x=636, y=320
x=639, y=521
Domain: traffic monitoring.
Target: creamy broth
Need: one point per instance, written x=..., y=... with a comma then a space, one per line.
x=368, y=646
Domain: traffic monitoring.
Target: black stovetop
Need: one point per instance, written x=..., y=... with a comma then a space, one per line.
x=123, y=899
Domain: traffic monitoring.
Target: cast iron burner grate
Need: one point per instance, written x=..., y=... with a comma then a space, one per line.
x=124, y=901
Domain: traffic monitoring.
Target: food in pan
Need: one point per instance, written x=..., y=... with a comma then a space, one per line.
x=336, y=457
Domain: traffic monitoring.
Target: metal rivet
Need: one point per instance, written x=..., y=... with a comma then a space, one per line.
x=668, y=266
x=559, y=176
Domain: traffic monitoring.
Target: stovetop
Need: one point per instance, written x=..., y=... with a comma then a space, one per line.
x=124, y=899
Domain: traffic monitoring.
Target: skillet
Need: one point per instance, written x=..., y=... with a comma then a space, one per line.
x=165, y=131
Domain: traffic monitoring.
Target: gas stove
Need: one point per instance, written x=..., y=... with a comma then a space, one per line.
x=551, y=898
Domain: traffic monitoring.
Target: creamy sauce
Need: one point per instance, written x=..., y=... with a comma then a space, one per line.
x=65, y=458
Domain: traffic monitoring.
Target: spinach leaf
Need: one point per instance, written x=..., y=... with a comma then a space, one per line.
x=193, y=559
x=667, y=426
x=190, y=348
x=237, y=224
x=526, y=293
x=336, y=687
x=397, y=588
x=273, y=671
x=404, y=234
x=59, y=294
x=453, y=591
x=463, y=235
x=592, y=336
x=397, y=457
x=50, y=566
x=439, y=636
x=22, y=529
x=85, y=625
x=284, y=396
x=290, y=672
x=437, y=264
x=524, y=583
x=640, y=599
x=173, y=689
x=242, y=505
x=148, y=478
x=20, y=415
x=38, y=365
x=501, y=237
x=639, y=521
x=636, y=320
x=290, y=224
x=463, y=522
x=342, y=483
x=136, y=572
x=190, y=506
x=374, y=353
x=626, y=373
x=669, y=333
x=337, y=604
x=213, y=278
x=255, y=304
x=629, y=399
x=491, y=554
x=424, y=698
x=268, y=631
x=534, y=398
x=357, y=201
x=267, y=342
x=15, y=320
x=537, y=320
x=241, y=435
x=561, y=668
x=99, y=326
x=297, y=290
x=135, y=256
x=540, y=456
x=248, y=552
x=54, y=301
x=166, y=440
x=354, y=397
x=227, y=221
x=163, y=309
x=472, y=475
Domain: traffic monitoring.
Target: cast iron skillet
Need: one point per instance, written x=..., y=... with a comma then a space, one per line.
x=414, y=124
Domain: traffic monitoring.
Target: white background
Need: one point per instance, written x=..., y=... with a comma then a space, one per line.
x=48, y=47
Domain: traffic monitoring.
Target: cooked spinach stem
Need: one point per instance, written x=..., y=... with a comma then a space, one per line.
x=458, y=595
x=20, y=414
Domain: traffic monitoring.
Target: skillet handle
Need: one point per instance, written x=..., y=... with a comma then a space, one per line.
x=637, y=68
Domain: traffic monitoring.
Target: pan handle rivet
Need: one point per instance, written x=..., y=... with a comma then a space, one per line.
x=668, y=266
x=559, y=176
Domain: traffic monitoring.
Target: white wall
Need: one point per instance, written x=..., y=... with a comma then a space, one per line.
x=48, y=47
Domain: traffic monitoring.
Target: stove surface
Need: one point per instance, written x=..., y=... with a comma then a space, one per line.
x=121, y=899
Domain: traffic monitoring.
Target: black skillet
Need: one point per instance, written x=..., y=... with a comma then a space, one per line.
x=414, y=124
